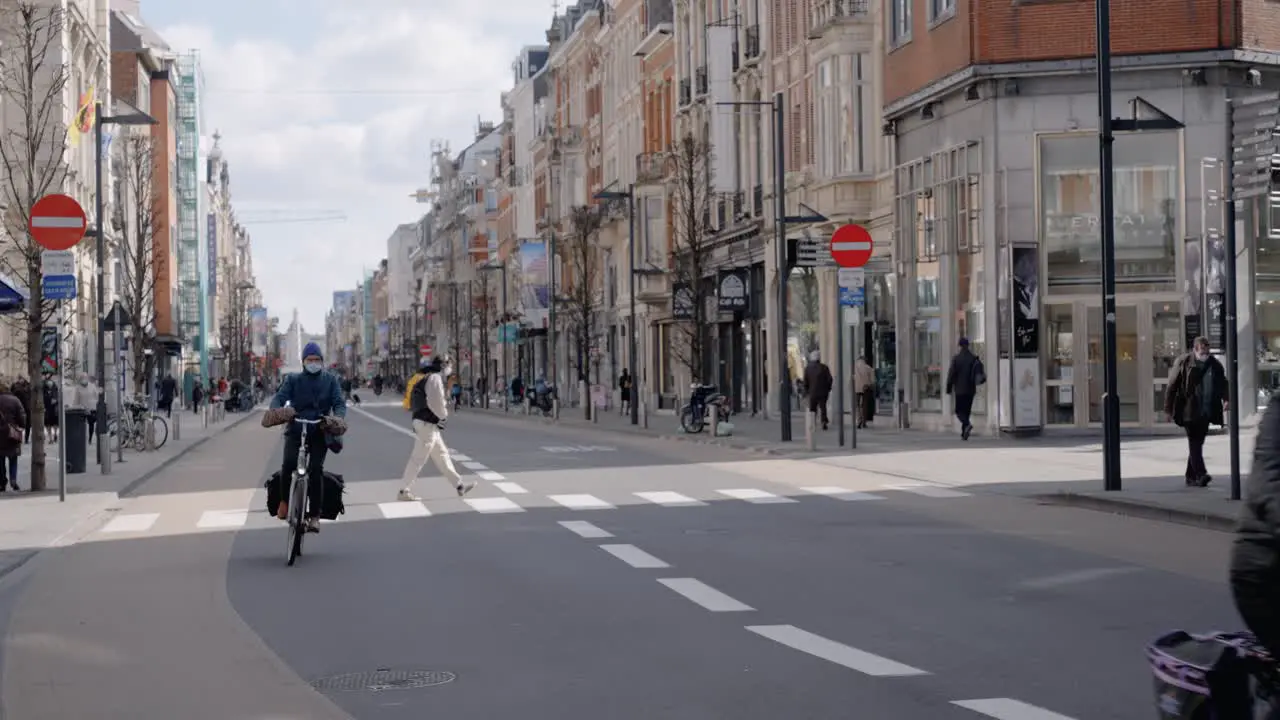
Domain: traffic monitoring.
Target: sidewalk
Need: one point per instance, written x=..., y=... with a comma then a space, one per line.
x=30, y=522
x=1053, y=468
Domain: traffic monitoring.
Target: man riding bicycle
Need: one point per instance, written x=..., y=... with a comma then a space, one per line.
x=313, y=394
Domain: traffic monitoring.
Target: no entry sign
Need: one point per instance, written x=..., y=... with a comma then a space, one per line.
x=424, y=349
x=57, y=222
x=851, y=246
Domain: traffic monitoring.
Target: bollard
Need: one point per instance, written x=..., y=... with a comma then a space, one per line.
x=714, y=412
x=810, y=437
x=595, y=413
x=177, y=425
x=555, y=408
x=204, y=415
x=644, y=414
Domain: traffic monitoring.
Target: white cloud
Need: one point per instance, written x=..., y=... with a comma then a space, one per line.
x=342, y=120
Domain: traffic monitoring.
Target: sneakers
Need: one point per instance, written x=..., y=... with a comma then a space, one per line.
x=313, y=525
x=406, y=496
x=965, y=431
x=466, y=487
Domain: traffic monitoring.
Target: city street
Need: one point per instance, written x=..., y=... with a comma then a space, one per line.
x=594, y=574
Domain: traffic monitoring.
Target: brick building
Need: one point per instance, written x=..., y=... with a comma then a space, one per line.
x=991, y=108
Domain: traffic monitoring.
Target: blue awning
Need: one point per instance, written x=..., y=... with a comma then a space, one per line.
x=13, y=296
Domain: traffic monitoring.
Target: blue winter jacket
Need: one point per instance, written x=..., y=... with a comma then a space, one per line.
x=311, y=396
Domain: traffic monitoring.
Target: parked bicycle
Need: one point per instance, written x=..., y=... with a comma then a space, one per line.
x=693, y=414
x=130, y=429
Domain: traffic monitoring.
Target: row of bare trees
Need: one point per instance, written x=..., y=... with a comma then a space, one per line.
x=34, y=138
x=688, y=180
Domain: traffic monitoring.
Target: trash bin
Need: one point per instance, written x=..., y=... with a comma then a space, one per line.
x=76, y=436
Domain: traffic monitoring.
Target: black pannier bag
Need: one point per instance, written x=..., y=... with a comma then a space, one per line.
x=331, y=505
x=1206, y=677
x=273, y=493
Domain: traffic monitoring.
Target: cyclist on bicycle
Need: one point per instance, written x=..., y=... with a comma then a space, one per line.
x=313, y=394
x=1255, y=556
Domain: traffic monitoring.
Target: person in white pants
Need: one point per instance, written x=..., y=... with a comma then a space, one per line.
x=430, y=411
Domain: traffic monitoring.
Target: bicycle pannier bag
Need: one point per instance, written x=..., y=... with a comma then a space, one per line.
x=1202, y=677
x=331, y=505
x=273, y=493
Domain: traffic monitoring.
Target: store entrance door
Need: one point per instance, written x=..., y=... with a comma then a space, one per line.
x=1148, y=341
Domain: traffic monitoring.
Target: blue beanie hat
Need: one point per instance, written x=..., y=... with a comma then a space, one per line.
x=312, y=350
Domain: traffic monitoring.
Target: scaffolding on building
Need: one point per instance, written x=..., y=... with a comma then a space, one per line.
x=190, y=320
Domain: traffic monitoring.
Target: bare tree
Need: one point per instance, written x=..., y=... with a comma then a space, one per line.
x=583, y=298
x=137, y=199
x=688, y=175
x=33, y=143
x=803, y=309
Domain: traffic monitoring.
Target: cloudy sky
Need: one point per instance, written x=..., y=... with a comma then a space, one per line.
x=331, y=106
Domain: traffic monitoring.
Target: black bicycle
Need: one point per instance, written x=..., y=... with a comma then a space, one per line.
x=298, y=495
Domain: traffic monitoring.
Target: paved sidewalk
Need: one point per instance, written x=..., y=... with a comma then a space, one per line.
x=33, y=521
x=1053, y=468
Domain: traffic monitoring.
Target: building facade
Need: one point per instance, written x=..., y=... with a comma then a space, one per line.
x=997, y=202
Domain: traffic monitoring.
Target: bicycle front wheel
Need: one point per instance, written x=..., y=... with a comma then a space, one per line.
x=160, y=428
x=297, y=517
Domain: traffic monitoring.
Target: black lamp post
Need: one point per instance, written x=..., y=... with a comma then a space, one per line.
x=136, y=117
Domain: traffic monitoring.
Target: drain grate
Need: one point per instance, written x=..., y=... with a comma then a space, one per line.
x=384, y=679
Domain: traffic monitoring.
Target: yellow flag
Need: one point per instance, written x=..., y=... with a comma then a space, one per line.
x=84, y=118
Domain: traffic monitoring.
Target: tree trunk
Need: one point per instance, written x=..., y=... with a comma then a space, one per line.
x=35, y=347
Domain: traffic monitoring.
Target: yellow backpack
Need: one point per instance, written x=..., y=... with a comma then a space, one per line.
x=408, y=391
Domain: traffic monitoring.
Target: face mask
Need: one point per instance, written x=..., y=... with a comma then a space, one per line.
x=1202, y=356
x=84, y=383
x=313, y=367
x=447, y=370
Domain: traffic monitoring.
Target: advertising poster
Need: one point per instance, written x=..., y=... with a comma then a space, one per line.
x=535, y=289
x=258, y=331
x=1192, y=291
x=1026, y=302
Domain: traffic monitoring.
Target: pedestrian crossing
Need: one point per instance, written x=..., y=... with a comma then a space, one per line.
x=368, y=501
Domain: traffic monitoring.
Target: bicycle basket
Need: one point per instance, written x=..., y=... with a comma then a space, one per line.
x=1204, y=677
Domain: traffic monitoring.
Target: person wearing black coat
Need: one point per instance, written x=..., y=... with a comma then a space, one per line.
x=1255, y=554
x=1194, y=399
x=818, y=383
x=13, y=420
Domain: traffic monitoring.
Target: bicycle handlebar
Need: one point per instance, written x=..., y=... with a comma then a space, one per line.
x=308, y=422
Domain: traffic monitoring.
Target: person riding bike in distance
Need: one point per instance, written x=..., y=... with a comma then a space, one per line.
x=313, y=394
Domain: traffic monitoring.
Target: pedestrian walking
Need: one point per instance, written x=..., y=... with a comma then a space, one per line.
x=13, y=421
x=864, y=383
x=430, y=410
x=168, y=390
x=818, y=383
x=197, y=396
x=624, y=390
x=52, y=397
x=21, y=389
x=1195, y=399
x=963, y=380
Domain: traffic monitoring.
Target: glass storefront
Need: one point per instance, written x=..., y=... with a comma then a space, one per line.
x=1147, y=203
x=1149, y=318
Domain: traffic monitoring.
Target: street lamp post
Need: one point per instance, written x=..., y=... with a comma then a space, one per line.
x=100, y=412
x=630, y=196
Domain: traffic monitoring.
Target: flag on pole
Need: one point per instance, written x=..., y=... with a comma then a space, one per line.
x=84, y=118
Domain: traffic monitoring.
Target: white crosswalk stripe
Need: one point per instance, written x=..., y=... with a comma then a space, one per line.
x=1008, y=709
x=372, y=500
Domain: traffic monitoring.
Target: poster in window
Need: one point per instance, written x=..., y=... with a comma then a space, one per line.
x=1026, y=302
x=1192, y=291
x=1215, y=292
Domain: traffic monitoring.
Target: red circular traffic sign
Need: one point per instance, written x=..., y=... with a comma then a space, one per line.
x=851, y=246
x=424, y=349
x=57, y=222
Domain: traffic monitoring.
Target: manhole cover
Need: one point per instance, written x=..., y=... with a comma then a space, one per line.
x=384, y=679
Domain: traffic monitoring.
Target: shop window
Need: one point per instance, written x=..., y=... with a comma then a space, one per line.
x=1147, y=202
x=929, y=364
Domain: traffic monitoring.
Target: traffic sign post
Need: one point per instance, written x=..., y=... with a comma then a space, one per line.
x=853, y=286
x=57, y=222
x=851, y=246
x=58, y=274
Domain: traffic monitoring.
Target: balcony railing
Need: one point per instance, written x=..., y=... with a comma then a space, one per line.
x=736, y=54
x=828, y=12
x=737, y=205
x=651, y=167
x=757, y=200
x=686, y=92
x=753, y=43
x=700, y=80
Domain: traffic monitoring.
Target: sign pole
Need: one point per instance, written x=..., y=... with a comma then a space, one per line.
x=62, y=406
x=840, y=374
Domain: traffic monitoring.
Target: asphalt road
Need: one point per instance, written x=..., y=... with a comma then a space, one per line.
x=594, y=575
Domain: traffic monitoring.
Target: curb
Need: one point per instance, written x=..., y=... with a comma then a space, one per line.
x=128, y=490
x=694, y=439
x=1130, y=508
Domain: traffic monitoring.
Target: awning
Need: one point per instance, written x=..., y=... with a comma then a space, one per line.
x=13, y=296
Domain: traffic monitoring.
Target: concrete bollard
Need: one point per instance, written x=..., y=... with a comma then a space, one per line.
x=810, y=426
x=177, y=425
x=644, y=414
x=714, y=412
